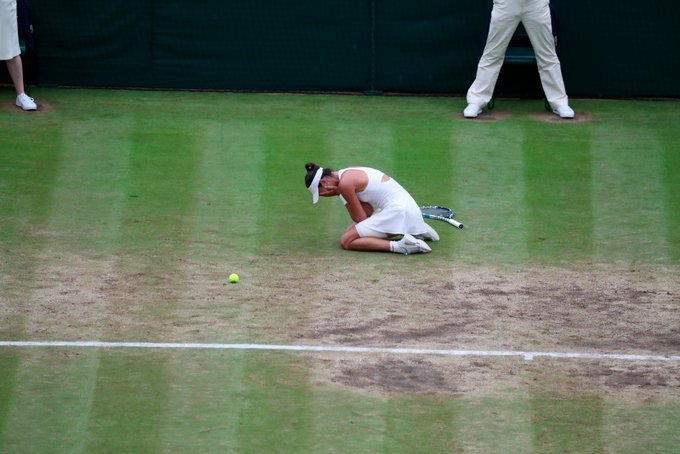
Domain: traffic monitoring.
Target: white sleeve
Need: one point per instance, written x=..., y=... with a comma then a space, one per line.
x=344, y=202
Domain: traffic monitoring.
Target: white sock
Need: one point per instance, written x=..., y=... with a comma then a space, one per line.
x=397, y=247
x=407, y=245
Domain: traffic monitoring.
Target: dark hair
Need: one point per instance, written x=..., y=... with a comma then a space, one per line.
x=311, y=172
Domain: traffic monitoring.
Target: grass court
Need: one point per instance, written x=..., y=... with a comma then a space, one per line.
x=122, y=213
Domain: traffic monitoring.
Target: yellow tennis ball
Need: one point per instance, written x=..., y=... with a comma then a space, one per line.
x=233, y=278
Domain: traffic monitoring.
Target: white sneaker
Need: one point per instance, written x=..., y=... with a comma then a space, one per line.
x=472, y=111
x=564, y=111
x=26, y=102
x=430, y=235
x=409, y=245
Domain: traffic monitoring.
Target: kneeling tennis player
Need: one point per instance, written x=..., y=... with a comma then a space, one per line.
x=380, y=207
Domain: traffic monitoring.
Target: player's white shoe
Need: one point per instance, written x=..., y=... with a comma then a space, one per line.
x=409, y=245
x=472, y=111
x=564, y=111
x=430, y=235
x=25, y=102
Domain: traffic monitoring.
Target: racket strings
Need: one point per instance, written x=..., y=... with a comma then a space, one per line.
x=437, y=211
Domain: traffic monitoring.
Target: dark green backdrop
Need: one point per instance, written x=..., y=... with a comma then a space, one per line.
x=607, y=47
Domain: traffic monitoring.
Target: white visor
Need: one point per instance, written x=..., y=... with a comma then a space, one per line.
x=314, y=185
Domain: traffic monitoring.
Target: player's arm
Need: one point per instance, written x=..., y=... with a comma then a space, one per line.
x=348, y=190
x=354, y=206
x=368, y=208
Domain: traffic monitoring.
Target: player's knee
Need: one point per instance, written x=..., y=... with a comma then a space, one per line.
x=345, y=242
x=348, y=238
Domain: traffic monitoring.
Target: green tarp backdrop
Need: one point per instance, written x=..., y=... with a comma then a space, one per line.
x=607, y=47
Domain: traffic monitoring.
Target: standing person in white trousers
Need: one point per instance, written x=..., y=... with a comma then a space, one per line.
x=505, y=17
x=11, y=53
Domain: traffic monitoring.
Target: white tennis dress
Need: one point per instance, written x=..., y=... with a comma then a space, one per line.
x=395, y=210
x=9, y=34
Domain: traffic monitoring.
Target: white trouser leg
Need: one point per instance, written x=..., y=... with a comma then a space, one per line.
x=538, y=25
x=504, y=20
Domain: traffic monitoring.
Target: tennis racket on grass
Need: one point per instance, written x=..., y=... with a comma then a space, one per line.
x=441, y=214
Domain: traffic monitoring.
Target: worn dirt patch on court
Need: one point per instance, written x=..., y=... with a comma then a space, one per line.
x=486, y=115
x=469, y=376
x=43, y=107
x=407, y=303
x=546, y=117
x=549, y=117
x=601, y=310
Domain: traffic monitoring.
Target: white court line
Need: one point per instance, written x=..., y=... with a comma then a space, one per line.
x=324, y=348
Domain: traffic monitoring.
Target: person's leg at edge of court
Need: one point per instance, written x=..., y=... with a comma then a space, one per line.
x=538, y=25
x=16, y=73
x=504, y=22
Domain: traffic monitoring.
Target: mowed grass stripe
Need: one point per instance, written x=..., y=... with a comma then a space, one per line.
x=628, y=195
x=642, y=428
x=558, y=191
x=156, y=223
x=90, y=189
x=567, y=425
x=276, y=409
x=421, y=424
x=29, y=161
x=85, y=217
x=129, y=405
x=224, y=234
x=9, y=364
x=488, y=174
x=27, y=180
x=50, y=405
x=670, y=140
x=498, y=424
x=161, y=185
x=206, y=401
x=228, y=187
x=84, y=210
x=205, y=391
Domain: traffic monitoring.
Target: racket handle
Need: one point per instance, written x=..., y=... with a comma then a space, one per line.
x=455, y=223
